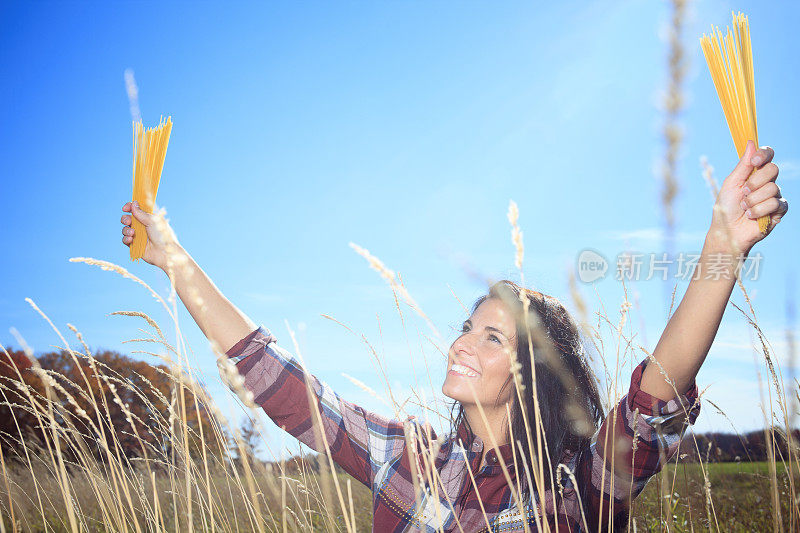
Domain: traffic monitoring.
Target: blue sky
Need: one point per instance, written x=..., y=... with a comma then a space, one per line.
x=405, y=127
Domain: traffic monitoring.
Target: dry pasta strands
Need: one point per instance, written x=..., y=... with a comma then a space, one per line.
x=730, y=61
x=149, y=151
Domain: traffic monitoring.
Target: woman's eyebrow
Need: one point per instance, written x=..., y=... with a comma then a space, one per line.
x=490, y=328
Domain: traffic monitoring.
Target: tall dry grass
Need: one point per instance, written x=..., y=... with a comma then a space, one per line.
x=60, y=485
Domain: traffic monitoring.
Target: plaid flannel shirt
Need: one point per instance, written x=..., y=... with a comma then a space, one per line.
x=374, y=450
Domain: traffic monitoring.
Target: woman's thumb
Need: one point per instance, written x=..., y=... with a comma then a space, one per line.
x=140, y=214
x=744, y=167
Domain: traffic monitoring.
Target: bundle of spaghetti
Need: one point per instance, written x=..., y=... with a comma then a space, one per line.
x=730, y=61
x=149, y=151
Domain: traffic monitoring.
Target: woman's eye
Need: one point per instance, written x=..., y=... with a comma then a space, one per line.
x=464, y=328
x=494, y=338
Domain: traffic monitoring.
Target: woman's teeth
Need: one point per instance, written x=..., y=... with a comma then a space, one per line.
x=464, y=371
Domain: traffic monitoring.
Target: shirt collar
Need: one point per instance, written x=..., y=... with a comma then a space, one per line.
x=474, y=443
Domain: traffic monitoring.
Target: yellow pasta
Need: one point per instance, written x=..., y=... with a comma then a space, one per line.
x=730, y=61
x=149, y=150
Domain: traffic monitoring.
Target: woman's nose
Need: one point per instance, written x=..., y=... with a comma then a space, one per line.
x=464, y=344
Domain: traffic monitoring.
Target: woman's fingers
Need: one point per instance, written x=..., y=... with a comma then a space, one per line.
x=762, y=156
x=127, y=230
x=766, y=191
x=759, y=177
x=767, y=207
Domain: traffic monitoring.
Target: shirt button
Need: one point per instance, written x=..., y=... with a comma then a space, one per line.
x=493, y=459
x=476, y=445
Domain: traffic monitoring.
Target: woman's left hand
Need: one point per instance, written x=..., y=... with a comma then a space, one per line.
x=748, y=193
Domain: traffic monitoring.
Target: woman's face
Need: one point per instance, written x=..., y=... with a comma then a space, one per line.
x=480, y=358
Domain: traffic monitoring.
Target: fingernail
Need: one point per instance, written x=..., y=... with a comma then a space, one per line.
x=746, y=190
x=756, y=160
x=744, y=205
x=749, y=214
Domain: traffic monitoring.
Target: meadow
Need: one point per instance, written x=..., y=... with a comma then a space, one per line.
x=120, y=447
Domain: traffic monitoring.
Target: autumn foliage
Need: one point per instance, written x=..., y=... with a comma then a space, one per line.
x=108, y=400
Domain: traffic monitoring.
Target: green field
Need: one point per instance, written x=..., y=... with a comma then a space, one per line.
x=740, y=498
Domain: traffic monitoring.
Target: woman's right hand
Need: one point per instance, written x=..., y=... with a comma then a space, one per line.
x=161, y=240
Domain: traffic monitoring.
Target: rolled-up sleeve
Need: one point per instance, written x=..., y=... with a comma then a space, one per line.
x=359, y=441
x=633, y=443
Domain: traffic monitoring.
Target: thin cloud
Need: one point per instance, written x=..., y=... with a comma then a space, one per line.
x=741, y=346
x=788, y=170
x=653, y=235
x=264, y=297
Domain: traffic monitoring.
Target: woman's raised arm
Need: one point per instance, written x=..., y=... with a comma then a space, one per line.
x=645, y=428
x=359, y=441
x=221, y=322
x=748, y=193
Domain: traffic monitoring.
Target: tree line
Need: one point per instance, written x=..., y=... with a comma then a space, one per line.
x=136, y=407
x=131, y=407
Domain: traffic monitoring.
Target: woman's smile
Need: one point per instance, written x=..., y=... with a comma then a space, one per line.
x=464, y=370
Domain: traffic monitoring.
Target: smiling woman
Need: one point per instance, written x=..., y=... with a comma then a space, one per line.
x=542, y=342
x=482, y=475
x=529, y=448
